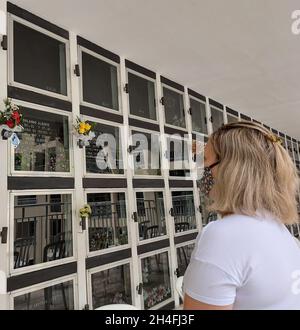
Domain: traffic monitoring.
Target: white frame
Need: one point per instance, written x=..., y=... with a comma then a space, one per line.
x=115, y=248
x=140, y=75
x=101, y=268
x=171, y=272
x=43, y=285
x=184, y=129
x=122, y=149
x=41, y=108
x=12, y=82
x=81, y=50
x=207, y=119
x=155, y=239
x=10, y=245
x=183, y=233
x=130, y=156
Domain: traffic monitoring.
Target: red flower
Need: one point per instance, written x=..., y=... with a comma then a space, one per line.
x=10, y=123
x=16, y=116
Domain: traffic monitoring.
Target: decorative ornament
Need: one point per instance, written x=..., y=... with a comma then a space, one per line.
x=84, y=132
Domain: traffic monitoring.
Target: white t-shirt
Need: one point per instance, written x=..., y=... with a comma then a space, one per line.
x=250, y=262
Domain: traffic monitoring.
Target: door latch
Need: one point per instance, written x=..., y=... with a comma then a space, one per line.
x=3, y=235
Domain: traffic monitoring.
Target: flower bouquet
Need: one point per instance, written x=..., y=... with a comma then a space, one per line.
x=84, y=132
x=84, y=212
x=10, y=119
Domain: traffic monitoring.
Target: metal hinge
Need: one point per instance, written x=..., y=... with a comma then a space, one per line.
x=83, y=223
x=211, y=119
x=162, y=101
x=194, y=158
x=176, y=272
x=131, y=147
x=4, y=42
x=3, y=235
x=126, y=88
x=171, y=212
x=205, y=121
x=190, y=111
x=139, y=288
x=135, y=216
x=77, y=70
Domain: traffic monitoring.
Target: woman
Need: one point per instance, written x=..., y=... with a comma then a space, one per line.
x=247, y=259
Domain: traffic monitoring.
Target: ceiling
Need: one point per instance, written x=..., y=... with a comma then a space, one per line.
x=240, y=53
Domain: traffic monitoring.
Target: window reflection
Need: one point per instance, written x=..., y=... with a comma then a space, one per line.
x=44, y=143
x=183, y=257
x=184, y=210
x=108, y=222
x=55, y=297
x=151, y=214
x=39, y=60
x=174, y=108
x=198, y=116
x=156, y=279
x=42, y=230
x=111, y=286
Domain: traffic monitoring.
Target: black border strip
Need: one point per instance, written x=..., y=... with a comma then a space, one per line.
x=275, y=131
x=257, y=122
x=244, y=117
x=180, y=183
x=168, y=307
x=26, y=183
x=171, y=83
x=282, y=135
x=26, y=15
x=197, y=95
x=52, y=273
x=37, y=98
x=107, y=258
x=100, y=114
x=144, y=248
x=216, y=104
x=232, y=112
x=185, y=238
x=267, y=127
x=138, y=68
x=148, y=183
x=104, y=183
x=171, y=131
x=294, y=140
x=142, y=124
x=288, y=138
x=97, y=49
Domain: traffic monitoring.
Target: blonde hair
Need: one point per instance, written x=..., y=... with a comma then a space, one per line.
x=255, y=173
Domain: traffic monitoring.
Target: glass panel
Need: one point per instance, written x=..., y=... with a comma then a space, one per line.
x=146, y=155
x=217, y=117
x=141, y=97
x=43, y=230
x=104, y=154
x=151, y=214
x=232, y=119
x=198, y=116
x=108, y=222
x=184, y=210
x=290, y=148
x=44, y=143
x=156, y=279
x=55, y=297
x=39, y=60
x=183, y=257
x=295, y=151
x=174, y=108
x=99, y=82
x=178, y=157
x=112, y=286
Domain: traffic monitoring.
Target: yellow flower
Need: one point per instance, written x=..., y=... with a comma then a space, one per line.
x=87, y=127
x=82, y=125
x=81, y=130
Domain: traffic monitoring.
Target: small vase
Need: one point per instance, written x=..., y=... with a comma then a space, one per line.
x=6, y=134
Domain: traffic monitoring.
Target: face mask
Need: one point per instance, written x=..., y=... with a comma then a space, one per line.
x=206, y=182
